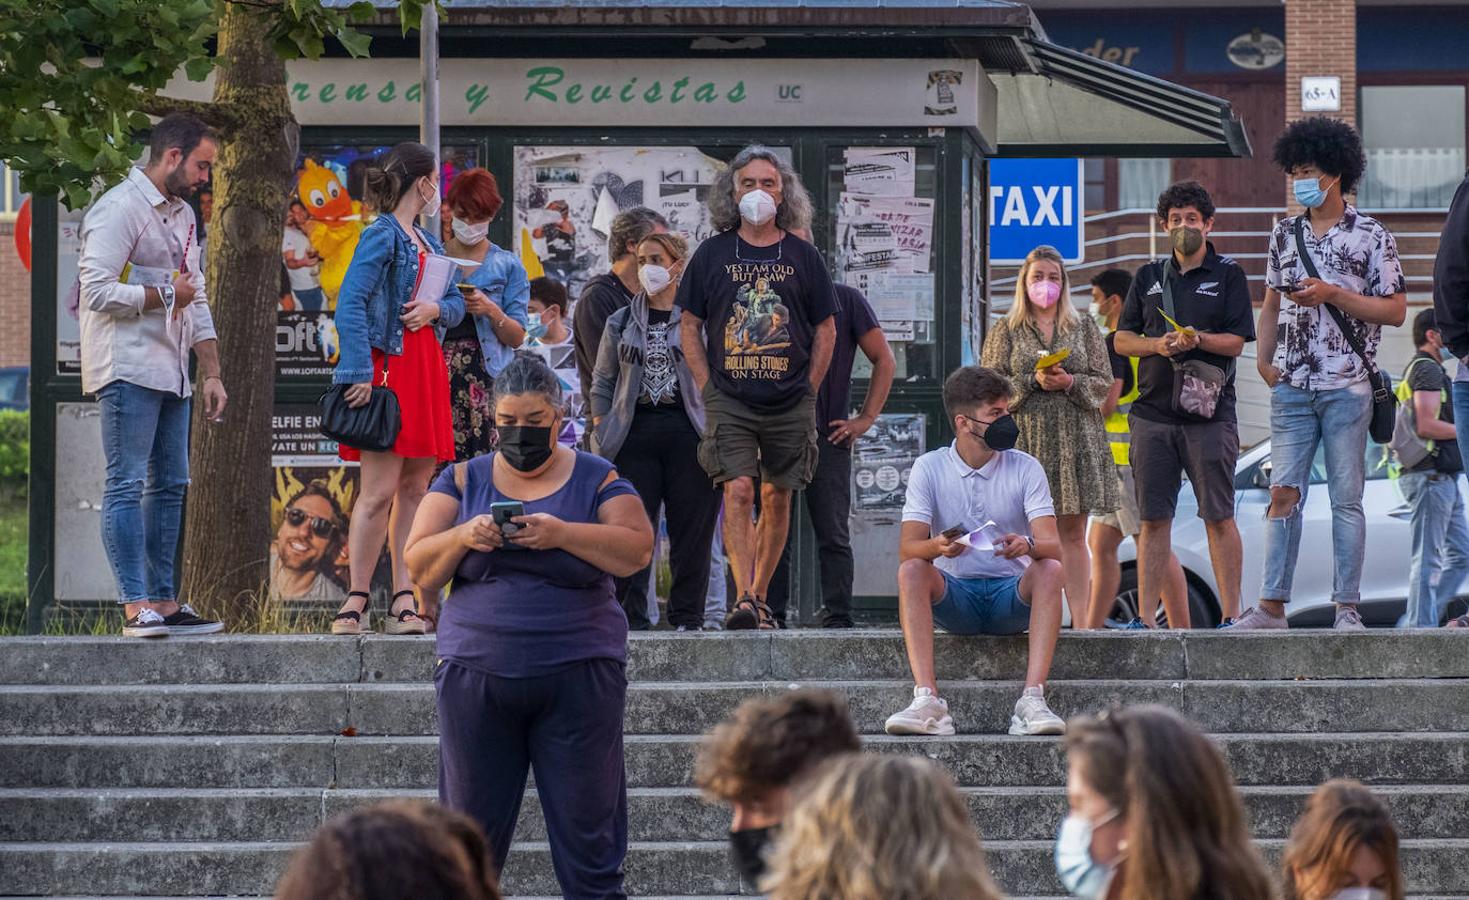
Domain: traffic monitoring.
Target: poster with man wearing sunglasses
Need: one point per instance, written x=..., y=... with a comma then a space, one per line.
x=310, y=507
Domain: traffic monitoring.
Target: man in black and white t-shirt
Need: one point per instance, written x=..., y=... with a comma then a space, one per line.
x=758, y=304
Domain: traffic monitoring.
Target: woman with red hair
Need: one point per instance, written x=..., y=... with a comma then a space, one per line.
x=478, y=348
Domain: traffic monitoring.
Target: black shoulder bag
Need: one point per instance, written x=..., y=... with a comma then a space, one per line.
x=373, y=426
x=1384, y=401
x=1197, y=385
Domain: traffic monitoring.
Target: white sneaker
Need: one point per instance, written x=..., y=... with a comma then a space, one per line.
x=1033, y=716
x=1348, y=619
x=927, y=714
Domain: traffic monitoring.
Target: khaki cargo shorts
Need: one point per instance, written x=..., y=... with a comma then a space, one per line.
x=740, y=442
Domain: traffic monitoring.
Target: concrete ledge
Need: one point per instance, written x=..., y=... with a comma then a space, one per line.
x=654, y=814
x=793, y=655
x=392, y=763
x=698, y=868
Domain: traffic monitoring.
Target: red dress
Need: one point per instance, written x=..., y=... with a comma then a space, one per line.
x=420, y=380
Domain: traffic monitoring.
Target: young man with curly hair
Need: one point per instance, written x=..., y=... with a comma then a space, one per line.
x=1318, y=347
x=752, y=760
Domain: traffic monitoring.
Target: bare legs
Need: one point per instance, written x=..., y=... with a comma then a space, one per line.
x=392, y=488
x=754, y=548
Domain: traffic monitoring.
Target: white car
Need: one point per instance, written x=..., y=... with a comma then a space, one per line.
x=1384, y=571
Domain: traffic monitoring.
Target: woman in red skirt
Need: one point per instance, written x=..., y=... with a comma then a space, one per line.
x=386, y=337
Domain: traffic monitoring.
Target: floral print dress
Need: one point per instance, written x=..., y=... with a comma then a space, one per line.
x=1062, y=429
x=471, y=390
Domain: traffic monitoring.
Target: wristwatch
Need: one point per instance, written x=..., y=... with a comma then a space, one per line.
x=1031, y=541
x=165, y=292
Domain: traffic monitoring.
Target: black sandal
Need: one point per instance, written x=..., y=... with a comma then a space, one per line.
x=354, y=621
x=406, y=620
x=750, y=613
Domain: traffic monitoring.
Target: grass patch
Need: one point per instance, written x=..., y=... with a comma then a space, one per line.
x=14, y=537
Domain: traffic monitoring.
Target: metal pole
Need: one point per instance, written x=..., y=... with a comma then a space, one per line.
x=428, y=63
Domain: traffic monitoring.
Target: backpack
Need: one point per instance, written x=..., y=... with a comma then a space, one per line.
x=1407, y=447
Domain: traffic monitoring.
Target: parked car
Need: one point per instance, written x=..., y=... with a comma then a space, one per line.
x=15, y=387
x=1384, y=572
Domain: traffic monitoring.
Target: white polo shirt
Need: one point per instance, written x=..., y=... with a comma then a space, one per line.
x=1011, y=490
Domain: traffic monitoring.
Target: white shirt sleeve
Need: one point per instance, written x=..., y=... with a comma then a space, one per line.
x=918, y=502
x=108, y=238
x=199, y=309
x=1037, y=492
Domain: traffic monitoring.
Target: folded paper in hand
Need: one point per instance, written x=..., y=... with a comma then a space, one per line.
x=438, y=270
x=148, y=276
x=985, y=537
x=1053, y=359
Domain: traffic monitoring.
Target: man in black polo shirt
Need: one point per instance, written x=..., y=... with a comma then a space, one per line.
x=1212, y=320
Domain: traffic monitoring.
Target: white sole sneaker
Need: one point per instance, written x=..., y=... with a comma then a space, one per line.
x=208, y=628
x=145, y=631
x=897, y=725
x=1018, y=727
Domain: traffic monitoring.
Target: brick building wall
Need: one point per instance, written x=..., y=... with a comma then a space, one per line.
x=15, y=302
x=1320, y=39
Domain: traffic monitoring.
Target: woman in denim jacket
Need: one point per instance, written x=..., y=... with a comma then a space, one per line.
x=384, y=339
x=479, y=347
x=647, y=416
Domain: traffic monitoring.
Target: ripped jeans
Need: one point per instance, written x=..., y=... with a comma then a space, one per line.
x=145, y=437
x=1300, y=421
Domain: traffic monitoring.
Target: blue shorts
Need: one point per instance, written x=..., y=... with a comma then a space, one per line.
x=982, y=606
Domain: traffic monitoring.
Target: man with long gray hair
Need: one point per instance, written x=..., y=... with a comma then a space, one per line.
x=758, y=305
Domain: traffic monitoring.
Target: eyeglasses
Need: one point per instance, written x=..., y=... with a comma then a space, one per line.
x=322, y=528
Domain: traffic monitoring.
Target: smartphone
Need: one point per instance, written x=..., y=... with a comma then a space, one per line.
x=1290, y=288
x=502, y=513
x=466, y=286
x=954, y=532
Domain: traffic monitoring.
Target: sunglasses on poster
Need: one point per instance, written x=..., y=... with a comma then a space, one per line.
x=322, y=528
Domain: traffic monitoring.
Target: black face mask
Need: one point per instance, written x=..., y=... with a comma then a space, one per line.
x=747, y=849
x=1001, y=434
x=525, y=447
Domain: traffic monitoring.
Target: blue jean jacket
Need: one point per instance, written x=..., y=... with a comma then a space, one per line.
x=379, y=282
x=502, y=278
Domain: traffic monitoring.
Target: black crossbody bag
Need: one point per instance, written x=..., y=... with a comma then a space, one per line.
x=373, y=426
x=1384, y=401
x=1197, y=385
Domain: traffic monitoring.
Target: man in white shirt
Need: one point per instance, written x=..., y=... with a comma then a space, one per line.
x=303, y=265
x=980, y=553
x=142, y=310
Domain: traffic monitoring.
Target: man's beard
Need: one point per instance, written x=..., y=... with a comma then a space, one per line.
x=178, y=184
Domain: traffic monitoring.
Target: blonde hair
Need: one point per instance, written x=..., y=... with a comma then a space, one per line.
x=1021, y=312
x=1341, y=816
x=879, y=827
x=1177, y=800
x=673, y=244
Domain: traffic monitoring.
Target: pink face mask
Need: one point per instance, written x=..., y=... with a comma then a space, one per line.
x=1044, y=293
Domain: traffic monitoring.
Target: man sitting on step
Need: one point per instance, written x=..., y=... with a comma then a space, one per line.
x=755, y=757
x=979, y=552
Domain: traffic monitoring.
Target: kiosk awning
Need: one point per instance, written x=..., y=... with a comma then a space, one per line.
x=1069, y=104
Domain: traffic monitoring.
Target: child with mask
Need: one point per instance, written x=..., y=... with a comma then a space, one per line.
x=1057, y=362
x=647, y=416
x=550, y=337
x=752, y=760
x=980, y=553
x=1153, y=814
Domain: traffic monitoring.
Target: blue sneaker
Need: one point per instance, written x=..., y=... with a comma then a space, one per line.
x=1224, y=623
x=1137, y=624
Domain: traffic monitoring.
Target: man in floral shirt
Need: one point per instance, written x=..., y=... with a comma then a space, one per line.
x=1319, y=385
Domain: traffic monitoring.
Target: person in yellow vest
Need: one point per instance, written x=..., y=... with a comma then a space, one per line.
x=1106, y=534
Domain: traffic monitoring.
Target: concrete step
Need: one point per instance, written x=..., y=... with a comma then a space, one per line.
x=691, y=708
x=685, y=867
x=667, y=761
x=654, y=814
x=804, y=655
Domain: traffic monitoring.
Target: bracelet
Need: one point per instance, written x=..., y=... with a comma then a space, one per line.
x=496, y=323
x=215, y=377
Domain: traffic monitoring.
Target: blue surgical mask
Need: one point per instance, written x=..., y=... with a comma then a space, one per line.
x=1081, y=875
x=1359, y=893
x=1309, y=192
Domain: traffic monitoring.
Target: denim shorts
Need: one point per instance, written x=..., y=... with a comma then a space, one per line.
x=982, y=606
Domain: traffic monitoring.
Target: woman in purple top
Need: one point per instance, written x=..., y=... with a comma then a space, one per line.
x=532, y=643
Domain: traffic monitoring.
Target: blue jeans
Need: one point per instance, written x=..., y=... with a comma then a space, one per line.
x=1460, y=397
x=1440, y=546
x=310, y=299
x=1300, y=421
x=145, y=436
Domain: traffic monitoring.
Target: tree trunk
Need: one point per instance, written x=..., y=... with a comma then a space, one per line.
x=227, y=531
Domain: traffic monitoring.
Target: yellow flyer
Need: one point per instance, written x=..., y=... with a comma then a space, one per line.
x=1052, y=359
x=1186, y=329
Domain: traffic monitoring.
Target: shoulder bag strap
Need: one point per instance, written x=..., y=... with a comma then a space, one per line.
x=1340, y=317
x=1167, y=282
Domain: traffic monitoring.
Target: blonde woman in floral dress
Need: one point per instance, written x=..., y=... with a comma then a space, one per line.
x=1059, y=408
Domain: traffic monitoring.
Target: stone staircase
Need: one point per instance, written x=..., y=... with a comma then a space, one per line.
x=273, y=734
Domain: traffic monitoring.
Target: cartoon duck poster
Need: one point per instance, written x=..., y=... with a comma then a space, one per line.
x=334, y=226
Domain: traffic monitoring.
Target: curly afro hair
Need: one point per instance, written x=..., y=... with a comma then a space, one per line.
x=1182, y=195
x=1330, y=145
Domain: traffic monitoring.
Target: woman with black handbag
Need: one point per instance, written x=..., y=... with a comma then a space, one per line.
x=390, y=385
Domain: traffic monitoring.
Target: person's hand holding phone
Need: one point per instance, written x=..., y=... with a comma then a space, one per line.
x=477, y=303
x=481, y=534
x=540, y=531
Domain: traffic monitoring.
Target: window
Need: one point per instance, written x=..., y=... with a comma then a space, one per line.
x=1414, y=138
x=1096, y=184
x=1140, y=181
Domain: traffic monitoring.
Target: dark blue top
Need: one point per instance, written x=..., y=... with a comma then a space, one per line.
x=520, y=613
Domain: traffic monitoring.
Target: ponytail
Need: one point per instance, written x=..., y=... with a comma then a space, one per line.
x=390, y=177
